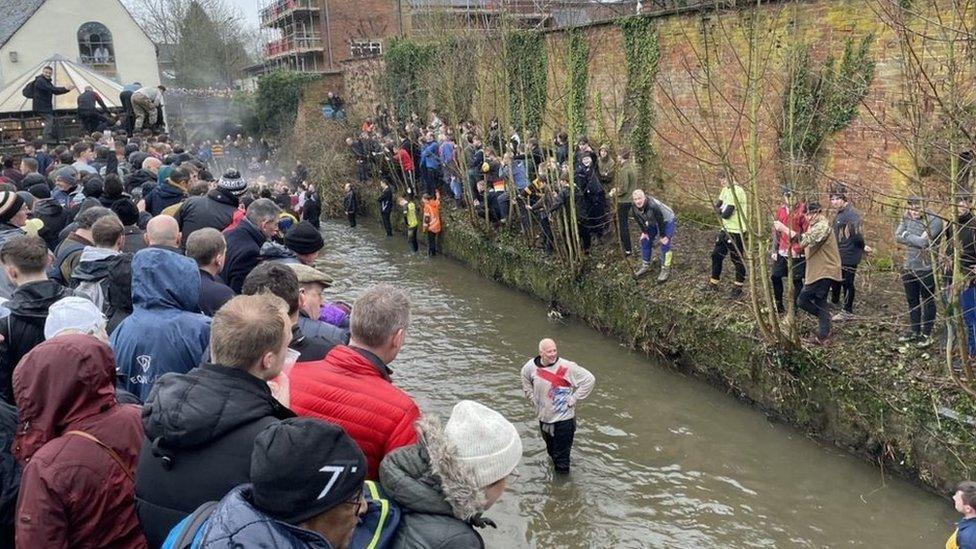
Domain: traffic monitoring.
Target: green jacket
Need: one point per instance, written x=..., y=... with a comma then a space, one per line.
x=418, y=478
x=626, y=181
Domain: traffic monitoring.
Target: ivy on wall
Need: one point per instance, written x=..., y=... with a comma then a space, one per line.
x=406, y=63
x=276, y=102
x=819, y=103
x=578, y=58
x=451, y=75
x=642, y=52
x=528, y=64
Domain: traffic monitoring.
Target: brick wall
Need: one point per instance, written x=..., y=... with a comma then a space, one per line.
x=867, y=155
x=359, y=20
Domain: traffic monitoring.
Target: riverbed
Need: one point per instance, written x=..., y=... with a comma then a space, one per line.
x=660, y=460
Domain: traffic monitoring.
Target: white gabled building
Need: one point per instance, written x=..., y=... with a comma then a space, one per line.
x=98, y=34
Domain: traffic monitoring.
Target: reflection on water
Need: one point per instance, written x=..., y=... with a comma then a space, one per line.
x=660, y=460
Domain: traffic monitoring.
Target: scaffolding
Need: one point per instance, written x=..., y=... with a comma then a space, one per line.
x=482, y=15
x=291, y=31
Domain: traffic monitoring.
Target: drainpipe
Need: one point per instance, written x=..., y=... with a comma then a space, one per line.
x=328, y=34
x=400, y=16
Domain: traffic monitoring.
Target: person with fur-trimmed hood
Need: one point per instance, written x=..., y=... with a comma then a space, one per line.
x=446, y=481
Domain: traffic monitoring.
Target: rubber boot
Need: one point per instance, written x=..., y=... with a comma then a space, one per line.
x=643, y=270
x=665, y=273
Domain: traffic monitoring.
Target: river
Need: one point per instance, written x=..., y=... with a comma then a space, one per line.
x=660, y=460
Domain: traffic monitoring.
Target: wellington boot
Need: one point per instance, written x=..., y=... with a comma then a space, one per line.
x=664, y=275
x=643, y=270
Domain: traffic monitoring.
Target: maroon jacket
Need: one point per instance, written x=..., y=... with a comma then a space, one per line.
x=73, y=492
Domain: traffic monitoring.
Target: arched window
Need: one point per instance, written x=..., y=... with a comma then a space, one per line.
x=95, y=45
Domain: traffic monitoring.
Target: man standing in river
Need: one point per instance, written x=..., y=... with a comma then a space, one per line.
x=554, y=385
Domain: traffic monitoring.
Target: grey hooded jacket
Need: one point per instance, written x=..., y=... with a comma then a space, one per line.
x=440, y=499
x=918, y=250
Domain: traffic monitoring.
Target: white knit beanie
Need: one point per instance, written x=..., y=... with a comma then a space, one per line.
x=486, y=442
x=73, y=313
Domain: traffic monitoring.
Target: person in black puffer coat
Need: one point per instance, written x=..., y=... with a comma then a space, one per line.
x=9, y=474
x=144, y=174
x=244, y=241
x=22, y=327
x=200, y=426
x=312, y=212
x=215, y=210
x=54, y=216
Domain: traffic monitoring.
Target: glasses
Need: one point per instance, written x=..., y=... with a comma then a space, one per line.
x=360, y=503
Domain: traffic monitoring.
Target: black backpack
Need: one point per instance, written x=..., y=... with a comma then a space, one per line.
x=28, y=90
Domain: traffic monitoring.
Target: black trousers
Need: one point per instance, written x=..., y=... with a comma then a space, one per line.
x=726, y=244
x=362, y=170
x=387, y=226
x=352, y=219
x=50, y=132
x=586, y=237
x=847, y=285
x=781, y=271
x=548, y=239
x=130, y=115
x=623, y=225
x=813, y=299
x=412, y=239
x=431, y=244
x=558, y=437
x=432, y=180
x=920, y=294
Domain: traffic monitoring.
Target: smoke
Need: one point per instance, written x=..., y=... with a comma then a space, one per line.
x=200, y=115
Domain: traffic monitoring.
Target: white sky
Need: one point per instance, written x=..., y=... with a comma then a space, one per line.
x=249, y=9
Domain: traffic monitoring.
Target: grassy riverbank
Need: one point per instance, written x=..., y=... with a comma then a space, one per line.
x=892, y=405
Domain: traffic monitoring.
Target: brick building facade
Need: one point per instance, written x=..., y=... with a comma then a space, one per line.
x=318, y=35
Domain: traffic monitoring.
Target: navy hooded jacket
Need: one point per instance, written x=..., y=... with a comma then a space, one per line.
x=166, y=331
x=163, y=196
x=235, y=522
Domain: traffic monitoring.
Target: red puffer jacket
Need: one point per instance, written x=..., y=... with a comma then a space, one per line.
x=74, y=492
x=352, y=389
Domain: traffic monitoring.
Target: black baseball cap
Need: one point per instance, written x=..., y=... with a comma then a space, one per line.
x=302, y=467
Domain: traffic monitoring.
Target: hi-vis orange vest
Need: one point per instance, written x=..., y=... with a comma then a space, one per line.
x=432, y=215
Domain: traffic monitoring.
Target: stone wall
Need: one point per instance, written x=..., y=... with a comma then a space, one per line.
x=363, y=85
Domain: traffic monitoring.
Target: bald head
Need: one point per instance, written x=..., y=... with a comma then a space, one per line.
x=163, y=230
x=547, y=352
x=152, y=164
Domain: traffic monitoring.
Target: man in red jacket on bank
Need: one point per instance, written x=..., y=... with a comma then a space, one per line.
x=352, y=387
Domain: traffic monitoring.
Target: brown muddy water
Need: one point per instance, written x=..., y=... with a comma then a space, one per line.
x=660, y=460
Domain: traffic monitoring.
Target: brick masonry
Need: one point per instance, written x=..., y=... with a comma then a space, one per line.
x=360, y=20
x=868, y=155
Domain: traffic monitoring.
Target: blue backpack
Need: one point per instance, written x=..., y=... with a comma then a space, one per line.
x=376, y=529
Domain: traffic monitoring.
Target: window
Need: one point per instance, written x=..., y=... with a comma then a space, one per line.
x=365, y=48
x=95, y=45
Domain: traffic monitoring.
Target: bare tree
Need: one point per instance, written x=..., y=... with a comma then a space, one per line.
x=165, y=21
